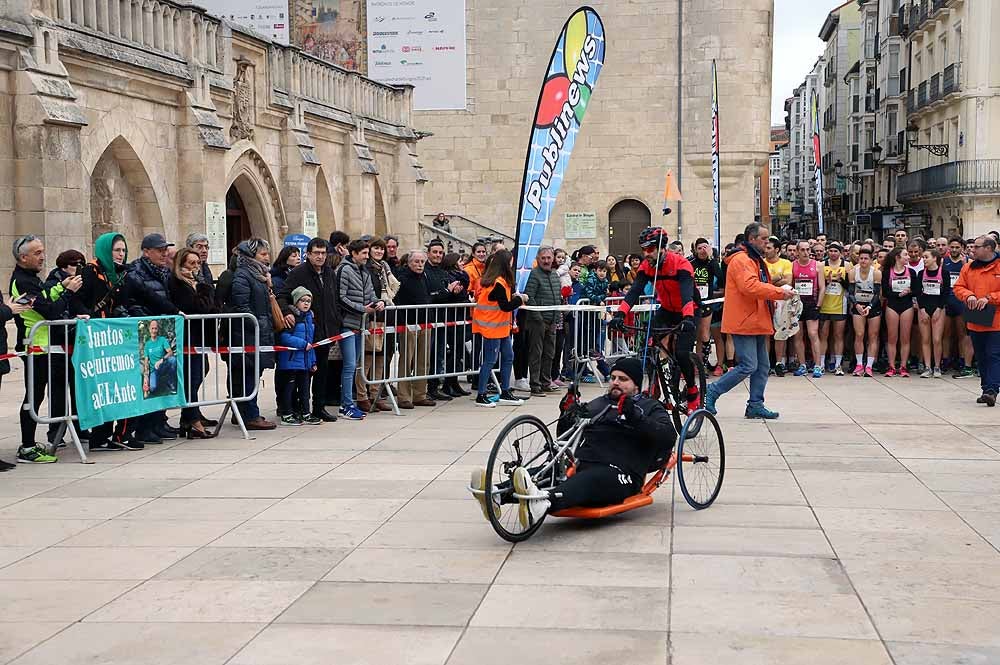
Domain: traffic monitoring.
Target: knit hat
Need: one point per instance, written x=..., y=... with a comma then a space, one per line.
x=300, y=292
x=631, y=367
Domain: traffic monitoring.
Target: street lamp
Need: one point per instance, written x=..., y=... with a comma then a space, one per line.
x=877, y=161
x=912, y=136
x=855, y=179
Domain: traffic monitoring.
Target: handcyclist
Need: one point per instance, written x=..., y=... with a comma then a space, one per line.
x=634, y=437
x=954, y=327
x=710, y=281
x=673, y=277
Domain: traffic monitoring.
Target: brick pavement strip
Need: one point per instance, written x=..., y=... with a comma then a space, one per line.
x=860, y=529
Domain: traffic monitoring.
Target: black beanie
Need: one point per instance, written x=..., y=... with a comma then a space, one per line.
x=632, y=368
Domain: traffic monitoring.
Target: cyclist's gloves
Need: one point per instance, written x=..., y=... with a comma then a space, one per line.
x=617, y=322
x=629, y=410
x=687, y=325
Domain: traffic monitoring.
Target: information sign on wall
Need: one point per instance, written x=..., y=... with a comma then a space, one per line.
x=580, y=225
x=215, y=229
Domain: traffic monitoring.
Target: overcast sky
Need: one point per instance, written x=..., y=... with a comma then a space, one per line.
x=796, y=47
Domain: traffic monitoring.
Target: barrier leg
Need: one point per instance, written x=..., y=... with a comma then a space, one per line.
x=392, y=400
x=79, y=444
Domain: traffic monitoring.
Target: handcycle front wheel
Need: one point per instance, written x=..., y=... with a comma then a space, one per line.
x=701, y=459
x=524, y=441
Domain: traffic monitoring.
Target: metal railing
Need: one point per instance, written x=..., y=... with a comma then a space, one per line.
x=980, y=176
x=922, y=95
x=935, y=91
x=51, y=364
x=471, y=230
x=950, y=81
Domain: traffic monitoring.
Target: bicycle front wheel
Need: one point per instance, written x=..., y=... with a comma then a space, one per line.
x=701, y=459
x=524, y=441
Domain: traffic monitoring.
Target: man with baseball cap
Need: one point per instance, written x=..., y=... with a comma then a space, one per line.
x=634, y=437
x=147, y=287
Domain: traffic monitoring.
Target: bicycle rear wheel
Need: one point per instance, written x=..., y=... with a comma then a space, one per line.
x=524, y=441
x=701, y=460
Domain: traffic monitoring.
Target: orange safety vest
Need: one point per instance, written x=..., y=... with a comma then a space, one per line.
x=487, y=318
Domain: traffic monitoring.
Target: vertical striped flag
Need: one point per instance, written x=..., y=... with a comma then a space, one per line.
x=716, y=197
x=818, y=158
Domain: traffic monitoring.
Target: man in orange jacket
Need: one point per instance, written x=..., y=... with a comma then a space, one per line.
x=978, y=287
x=747, y=316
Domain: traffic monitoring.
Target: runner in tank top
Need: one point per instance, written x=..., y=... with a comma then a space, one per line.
x=808, y=282
x=900, y=285
x=956, y=337
x=935, y=288
x=864, y=299
x=833, y=308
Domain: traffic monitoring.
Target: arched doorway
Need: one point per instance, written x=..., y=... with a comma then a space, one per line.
x=381, y=226
x=122, y=197
x=246, y=215
x=625, y=221
x=237, y=220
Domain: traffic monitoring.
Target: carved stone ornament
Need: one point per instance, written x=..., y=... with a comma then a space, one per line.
x=243, y=120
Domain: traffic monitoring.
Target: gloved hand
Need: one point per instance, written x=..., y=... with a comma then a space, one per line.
x=617, y=322
x=687, y=325
x=629, y=410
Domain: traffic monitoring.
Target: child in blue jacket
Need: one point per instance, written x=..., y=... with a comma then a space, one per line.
x=296, y=366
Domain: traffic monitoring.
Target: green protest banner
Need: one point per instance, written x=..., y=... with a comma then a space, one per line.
x=128, y=367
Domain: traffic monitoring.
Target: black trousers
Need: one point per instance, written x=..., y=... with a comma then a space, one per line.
x=593, y=486
x=321, y=379
x=57, y=394
x=292, y=387
x=521, y=348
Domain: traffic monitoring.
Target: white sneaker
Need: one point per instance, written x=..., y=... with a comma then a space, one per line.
x=937, y=373
x=523, y=385
x=478, y=483
x=529, y=510
x=927, y=374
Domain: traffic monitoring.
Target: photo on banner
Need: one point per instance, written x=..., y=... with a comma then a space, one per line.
x=128, y=367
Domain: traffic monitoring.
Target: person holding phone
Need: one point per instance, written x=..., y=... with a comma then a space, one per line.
x=978, y=288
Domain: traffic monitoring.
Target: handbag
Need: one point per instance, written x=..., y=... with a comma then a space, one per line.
x=277, y=318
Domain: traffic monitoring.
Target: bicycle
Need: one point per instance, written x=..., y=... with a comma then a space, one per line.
x=664, y=379
x=526, y=441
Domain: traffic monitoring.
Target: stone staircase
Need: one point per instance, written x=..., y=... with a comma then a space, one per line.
x=464, y=232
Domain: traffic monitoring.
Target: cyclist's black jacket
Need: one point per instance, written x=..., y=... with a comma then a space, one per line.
x=633, y=448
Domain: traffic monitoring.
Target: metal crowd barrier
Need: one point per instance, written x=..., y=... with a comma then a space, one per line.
x=593, y=342
x=408, y=345
x=48, y=369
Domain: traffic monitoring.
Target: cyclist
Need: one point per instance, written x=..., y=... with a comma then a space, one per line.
x=935, y=289
x=614, y=457
x=955, y=329
x=674, y=279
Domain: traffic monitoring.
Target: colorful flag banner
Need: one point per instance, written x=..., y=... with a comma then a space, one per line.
x=716, y=199
x=128, y=367
x=569, y=82
x=818, y=158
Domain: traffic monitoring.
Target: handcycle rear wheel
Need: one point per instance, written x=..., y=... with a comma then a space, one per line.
x=524, y=441
x=700, y=478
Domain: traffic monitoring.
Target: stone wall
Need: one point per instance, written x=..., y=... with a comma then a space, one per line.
x=629, y=136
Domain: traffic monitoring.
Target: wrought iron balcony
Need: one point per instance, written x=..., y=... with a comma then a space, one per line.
x=950, y=82
x=979, y=176
x=922, y=96
x=935, y=92
x=911, y=101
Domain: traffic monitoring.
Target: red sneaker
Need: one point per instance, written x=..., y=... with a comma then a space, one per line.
x=859, y=370
x=718, y=370
x=694, y=401
x=891, y=373
x=903, y=372
x=869, y=373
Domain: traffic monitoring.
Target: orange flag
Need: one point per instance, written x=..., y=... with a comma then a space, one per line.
x=670, y=191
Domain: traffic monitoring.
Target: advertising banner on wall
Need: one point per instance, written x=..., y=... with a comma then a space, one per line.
x=576, y=62
x=422, y=43
x=128, y=367
x=331, y=30
x=268, y=17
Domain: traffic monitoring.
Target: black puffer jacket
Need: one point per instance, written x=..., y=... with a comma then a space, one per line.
x=634, y=448
x=415, y=289
x=200, y=300
x=438, y=279
x=148, y=288
x=249, y=295
x=323, y=287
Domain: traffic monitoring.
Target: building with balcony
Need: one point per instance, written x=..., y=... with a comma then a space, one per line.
x=953, y=149
x=157, y=117
x=800, y=187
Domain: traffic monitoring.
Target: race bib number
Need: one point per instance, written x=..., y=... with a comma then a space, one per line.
x=900, y=285
x=954, y=277
x=932, y=288
x=834, y=289
x=804, y=289
x=703, y=291
x=864, y=296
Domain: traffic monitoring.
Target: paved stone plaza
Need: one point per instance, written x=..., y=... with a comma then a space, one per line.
x=861, y=529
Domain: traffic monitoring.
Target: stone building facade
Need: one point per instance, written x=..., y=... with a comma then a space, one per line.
x=651, y=112
x=149, y=115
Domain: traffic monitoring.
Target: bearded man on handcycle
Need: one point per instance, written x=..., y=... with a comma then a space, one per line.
x=633, y=437
x=673, y=279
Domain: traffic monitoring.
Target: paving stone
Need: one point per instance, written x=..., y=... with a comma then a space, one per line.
x=569, y=607
x=727, y=649
x=368, y=564
x=527, y=646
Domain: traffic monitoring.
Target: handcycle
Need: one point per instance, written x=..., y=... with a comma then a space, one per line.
x=526, y=441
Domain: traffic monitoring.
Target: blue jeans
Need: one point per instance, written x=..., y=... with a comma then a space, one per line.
x=351, y=349
x=168, y=368
x=751, y=350
x=987, y=346
x=492, y=348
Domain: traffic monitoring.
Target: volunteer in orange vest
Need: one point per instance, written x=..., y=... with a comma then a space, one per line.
x=475, y=267
x=747, y=316
x=978, y=287
x=491, y=318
